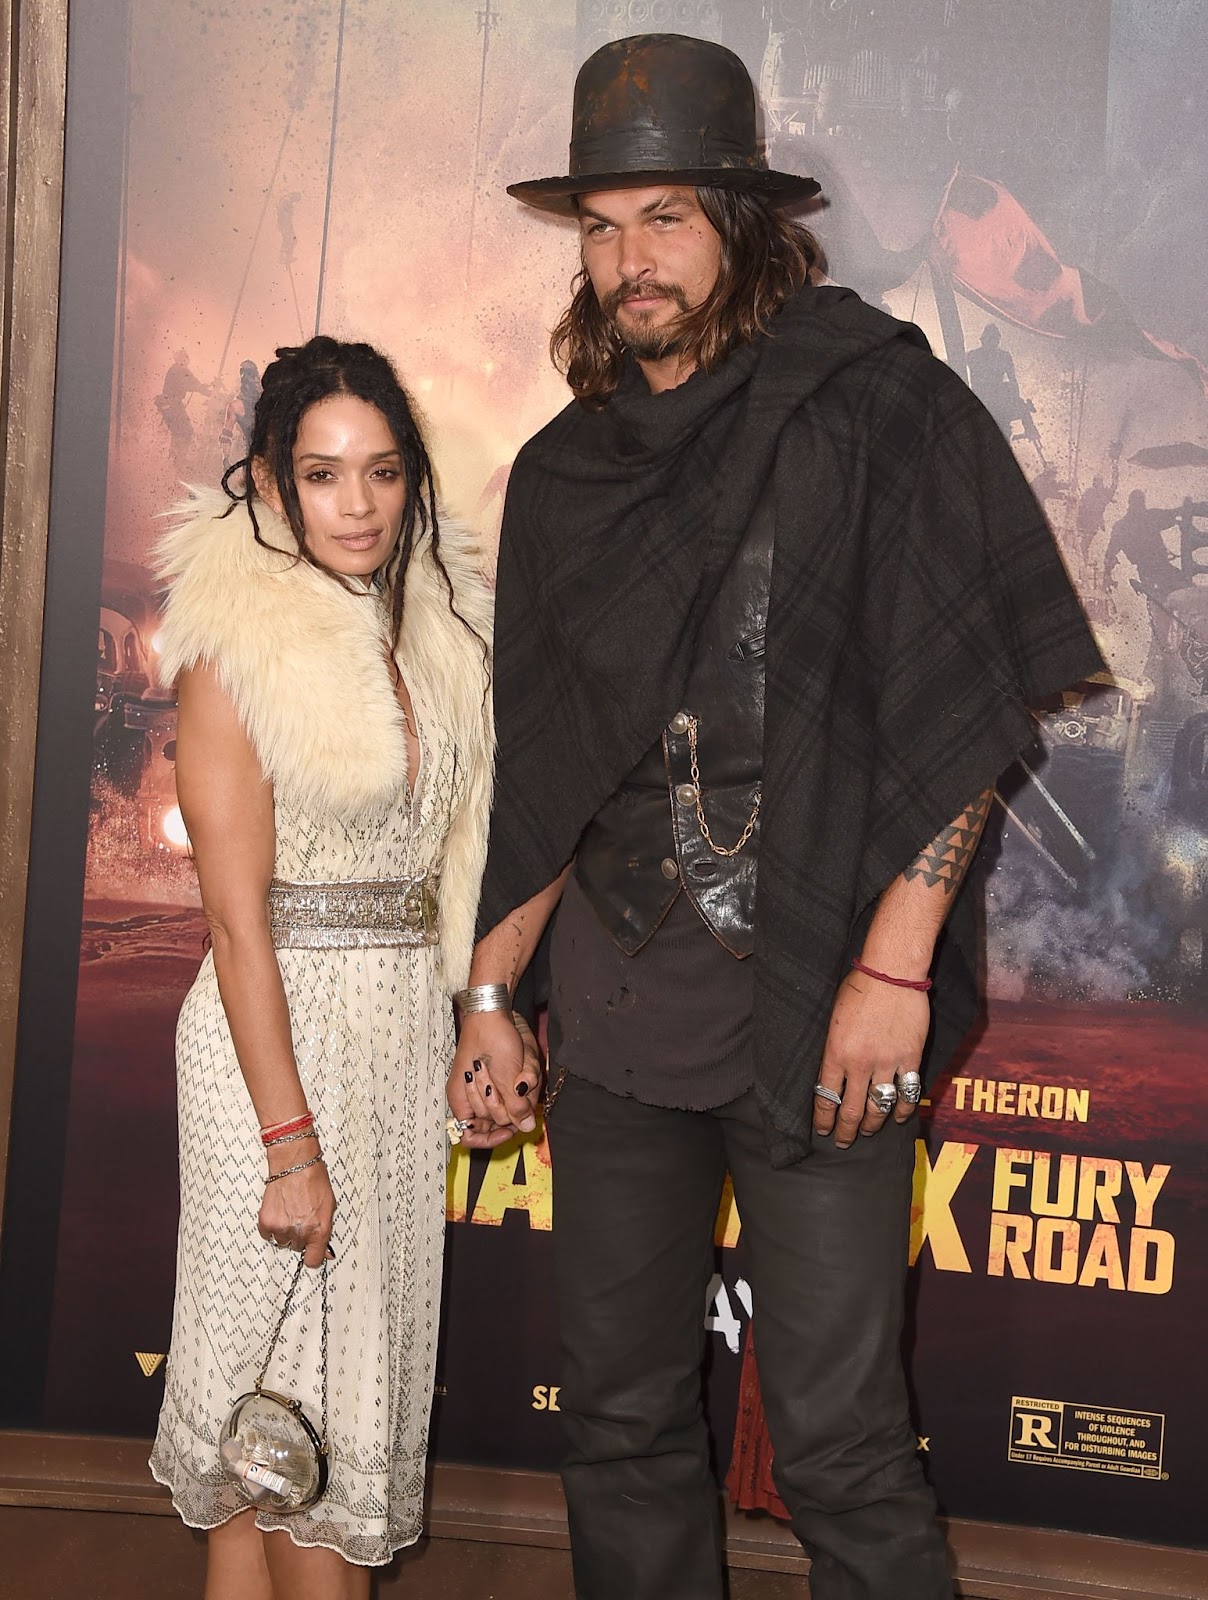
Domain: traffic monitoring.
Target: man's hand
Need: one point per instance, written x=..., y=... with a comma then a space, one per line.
x=876, y=1032
x=495, y=1079
x=879, y=1026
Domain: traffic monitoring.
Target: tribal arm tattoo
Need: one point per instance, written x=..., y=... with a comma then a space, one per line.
x=909, y=915
x=946, y=859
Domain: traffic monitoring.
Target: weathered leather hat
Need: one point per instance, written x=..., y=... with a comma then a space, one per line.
x=663, y=108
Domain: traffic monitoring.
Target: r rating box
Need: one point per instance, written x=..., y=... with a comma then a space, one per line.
x=1089, y=1438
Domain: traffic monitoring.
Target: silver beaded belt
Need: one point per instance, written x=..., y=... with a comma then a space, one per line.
x=359, y=914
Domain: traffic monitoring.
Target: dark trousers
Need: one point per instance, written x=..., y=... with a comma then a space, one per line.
x=636, y=1192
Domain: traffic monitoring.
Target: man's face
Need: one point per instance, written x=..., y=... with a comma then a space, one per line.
x=651, y=254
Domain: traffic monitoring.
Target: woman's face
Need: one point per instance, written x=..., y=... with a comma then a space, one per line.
x=349, y=474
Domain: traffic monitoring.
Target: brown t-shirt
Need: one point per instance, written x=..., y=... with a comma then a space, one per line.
x=670, y=1026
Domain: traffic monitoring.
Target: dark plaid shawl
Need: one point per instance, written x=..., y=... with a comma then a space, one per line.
x=917, y=605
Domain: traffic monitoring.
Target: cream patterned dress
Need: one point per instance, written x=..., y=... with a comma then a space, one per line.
x=373, y=1039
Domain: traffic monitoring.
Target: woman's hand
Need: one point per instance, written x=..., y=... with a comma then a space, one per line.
x=296, y=1212
x=495, y=1081
x=876, y=1034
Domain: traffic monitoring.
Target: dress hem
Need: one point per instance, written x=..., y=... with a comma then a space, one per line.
x=278, y=1527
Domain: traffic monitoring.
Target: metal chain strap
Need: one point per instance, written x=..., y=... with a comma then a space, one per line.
x=702, y=824
x=276, y=1334
x=554, y=1090
x=323, y=1365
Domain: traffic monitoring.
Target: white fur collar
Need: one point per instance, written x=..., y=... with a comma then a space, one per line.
x=302, y=659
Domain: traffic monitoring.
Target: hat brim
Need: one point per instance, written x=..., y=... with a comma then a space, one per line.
x=559, y=194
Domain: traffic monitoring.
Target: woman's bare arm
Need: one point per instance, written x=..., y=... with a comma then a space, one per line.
x=228, y=810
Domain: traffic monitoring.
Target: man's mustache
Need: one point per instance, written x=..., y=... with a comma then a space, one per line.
x=647, y=289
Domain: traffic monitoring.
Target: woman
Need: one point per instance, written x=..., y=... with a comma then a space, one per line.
x=328, y=642
x=236, y=435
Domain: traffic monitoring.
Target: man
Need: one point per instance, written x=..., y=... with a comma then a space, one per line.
x=1092, y=506
x=772, y=598
x=992, y=375
x=1138, y=535
x=172, y=403
x=235, y=437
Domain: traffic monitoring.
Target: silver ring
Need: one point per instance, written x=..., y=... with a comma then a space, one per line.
x=824, y=1093
x=883, y=1097
x=910, y=1087
x=456, y=1126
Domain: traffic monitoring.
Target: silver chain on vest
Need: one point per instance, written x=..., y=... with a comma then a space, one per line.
x=701, y=822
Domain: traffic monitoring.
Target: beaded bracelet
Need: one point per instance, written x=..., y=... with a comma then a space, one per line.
x=290, y=1125
x=290, y=1138
x=288, y=1172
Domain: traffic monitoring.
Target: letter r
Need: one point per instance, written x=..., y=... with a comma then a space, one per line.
x=1035, y=1432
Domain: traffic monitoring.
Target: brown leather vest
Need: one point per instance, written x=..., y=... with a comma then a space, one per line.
x=645, y=844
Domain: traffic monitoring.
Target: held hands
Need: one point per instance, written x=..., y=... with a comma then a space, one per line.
x=876, y=1035
x=495, y=1083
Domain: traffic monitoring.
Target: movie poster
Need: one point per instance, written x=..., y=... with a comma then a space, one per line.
x=1027, y=182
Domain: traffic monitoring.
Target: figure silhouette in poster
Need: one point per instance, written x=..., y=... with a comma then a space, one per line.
x=286, y=227
x=236, y=434
x=1049, y=485
x=1138, y=536
x=172, y=404
x=992, y=379
x=1092, y=506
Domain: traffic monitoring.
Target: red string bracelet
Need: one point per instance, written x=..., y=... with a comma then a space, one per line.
x=922, y=984
x=292, y=1126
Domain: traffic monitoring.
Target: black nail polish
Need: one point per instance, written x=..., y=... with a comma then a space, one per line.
x=469, y=1077
x=486, y=1093
x=477, y=1064
x=522, y=1088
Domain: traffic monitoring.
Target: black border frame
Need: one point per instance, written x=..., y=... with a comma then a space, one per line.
x=98, y=37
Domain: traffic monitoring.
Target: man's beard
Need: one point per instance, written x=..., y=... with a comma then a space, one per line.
x=641, y=337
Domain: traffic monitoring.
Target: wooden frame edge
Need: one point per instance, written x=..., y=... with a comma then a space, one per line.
x=34, y=95
x=992, y=1561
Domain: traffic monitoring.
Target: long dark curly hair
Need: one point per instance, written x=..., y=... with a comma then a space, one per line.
x=765, y=258
x=301, y=376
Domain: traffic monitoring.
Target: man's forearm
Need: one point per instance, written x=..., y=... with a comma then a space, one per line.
x=502, y=955
x=909, y=915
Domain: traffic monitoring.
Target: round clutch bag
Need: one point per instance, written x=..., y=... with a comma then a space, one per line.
x=269, y=1447
x=272, y=1450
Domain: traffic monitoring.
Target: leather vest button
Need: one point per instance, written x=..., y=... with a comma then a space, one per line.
x=679, y=722
x=669, y=867
x=685, y=793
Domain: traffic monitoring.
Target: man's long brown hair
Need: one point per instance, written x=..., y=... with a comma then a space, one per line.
x=765, y=258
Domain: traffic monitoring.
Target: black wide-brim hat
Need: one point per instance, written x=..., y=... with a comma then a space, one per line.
x=663, y=108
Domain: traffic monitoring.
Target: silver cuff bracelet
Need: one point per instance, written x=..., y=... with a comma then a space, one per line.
x=483, y=997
